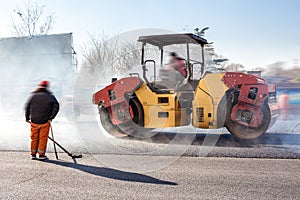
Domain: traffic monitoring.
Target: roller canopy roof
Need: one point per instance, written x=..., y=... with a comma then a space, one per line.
x=169, y=39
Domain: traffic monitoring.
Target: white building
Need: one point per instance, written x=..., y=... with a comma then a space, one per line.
x=25, y=61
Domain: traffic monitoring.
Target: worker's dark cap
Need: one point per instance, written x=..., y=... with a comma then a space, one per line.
x=173, y=54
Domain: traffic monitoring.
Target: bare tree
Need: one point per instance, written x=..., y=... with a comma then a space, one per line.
x=106, y=58
x=201, y=32
x=234, y=67
x=29, y=20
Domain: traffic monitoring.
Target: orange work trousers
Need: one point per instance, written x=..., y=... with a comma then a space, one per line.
x=39, y=137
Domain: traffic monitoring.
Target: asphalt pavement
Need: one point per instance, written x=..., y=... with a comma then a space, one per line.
x=185, y=178
x=174, y=164
x=86, y=136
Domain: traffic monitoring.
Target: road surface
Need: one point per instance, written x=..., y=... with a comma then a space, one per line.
x=174, y=164
x=186, y=178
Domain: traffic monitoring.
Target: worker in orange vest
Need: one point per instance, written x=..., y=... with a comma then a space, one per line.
x=177, y=63
x=40, y=109
x=175, y=71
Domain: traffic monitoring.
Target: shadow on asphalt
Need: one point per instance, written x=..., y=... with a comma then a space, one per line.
x=112, y=173
x=227, y=140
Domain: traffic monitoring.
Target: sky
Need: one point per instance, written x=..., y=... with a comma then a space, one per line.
x=254, y=33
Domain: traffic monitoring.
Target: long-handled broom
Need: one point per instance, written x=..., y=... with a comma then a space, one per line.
x=54, y=142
